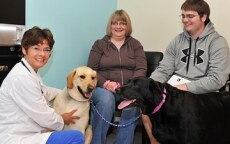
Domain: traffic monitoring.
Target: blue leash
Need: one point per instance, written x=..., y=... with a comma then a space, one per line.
x=113, y=124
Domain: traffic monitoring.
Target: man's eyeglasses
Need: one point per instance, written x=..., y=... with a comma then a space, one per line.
x=121, y=23
x=45, y=50
x=188, y=16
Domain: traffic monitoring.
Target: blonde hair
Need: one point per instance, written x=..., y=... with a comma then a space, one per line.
x=119, y=15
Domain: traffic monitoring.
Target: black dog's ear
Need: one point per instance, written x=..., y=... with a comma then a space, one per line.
x=156, y=89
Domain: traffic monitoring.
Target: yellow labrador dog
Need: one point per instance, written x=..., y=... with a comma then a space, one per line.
x=81, y=82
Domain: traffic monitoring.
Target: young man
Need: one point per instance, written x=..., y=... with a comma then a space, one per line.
x=198, y=54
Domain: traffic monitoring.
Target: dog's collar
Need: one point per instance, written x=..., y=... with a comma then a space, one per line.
x=161, y=103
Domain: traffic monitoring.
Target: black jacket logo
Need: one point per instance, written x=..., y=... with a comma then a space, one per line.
x=197, y=57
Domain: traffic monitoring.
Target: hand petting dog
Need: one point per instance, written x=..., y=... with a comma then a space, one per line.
x=69, y=117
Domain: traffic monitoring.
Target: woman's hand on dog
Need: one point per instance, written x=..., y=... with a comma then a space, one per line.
x=111, y=85
x=69, y=118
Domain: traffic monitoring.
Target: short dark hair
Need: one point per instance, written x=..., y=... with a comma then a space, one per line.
x=36, y=35
x=200, y=6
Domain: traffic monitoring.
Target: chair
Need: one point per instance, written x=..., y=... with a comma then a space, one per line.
x=226, y=87
x=153, y=60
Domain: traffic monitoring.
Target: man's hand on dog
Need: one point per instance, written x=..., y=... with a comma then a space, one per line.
x=182, y=87
x=69, y=118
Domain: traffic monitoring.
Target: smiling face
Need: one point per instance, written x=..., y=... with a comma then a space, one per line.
x=193, y=23
x=37, y=45
x=37, y=55
x=118, y=29
x=119, y=25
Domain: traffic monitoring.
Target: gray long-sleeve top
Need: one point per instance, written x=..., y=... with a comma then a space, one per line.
x=207, y=65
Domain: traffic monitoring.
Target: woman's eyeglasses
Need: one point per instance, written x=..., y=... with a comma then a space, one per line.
x=45, y=50
x=120, y=23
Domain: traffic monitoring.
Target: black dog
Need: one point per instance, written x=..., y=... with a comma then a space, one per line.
x=184, y=117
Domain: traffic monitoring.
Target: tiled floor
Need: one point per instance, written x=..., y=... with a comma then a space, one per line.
x=112, y=131
x=137, y=138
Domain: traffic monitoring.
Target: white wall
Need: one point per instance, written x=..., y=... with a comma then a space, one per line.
x=156, y=22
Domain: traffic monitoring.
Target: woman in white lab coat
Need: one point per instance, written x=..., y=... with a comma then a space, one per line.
x=25, y=114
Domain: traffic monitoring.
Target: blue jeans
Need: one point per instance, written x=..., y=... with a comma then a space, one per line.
x=66, y=137
x=105, y=102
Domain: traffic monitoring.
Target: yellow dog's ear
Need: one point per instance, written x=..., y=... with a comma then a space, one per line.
x=70, y=79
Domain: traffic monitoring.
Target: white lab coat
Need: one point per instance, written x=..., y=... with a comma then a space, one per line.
x=24, y=112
